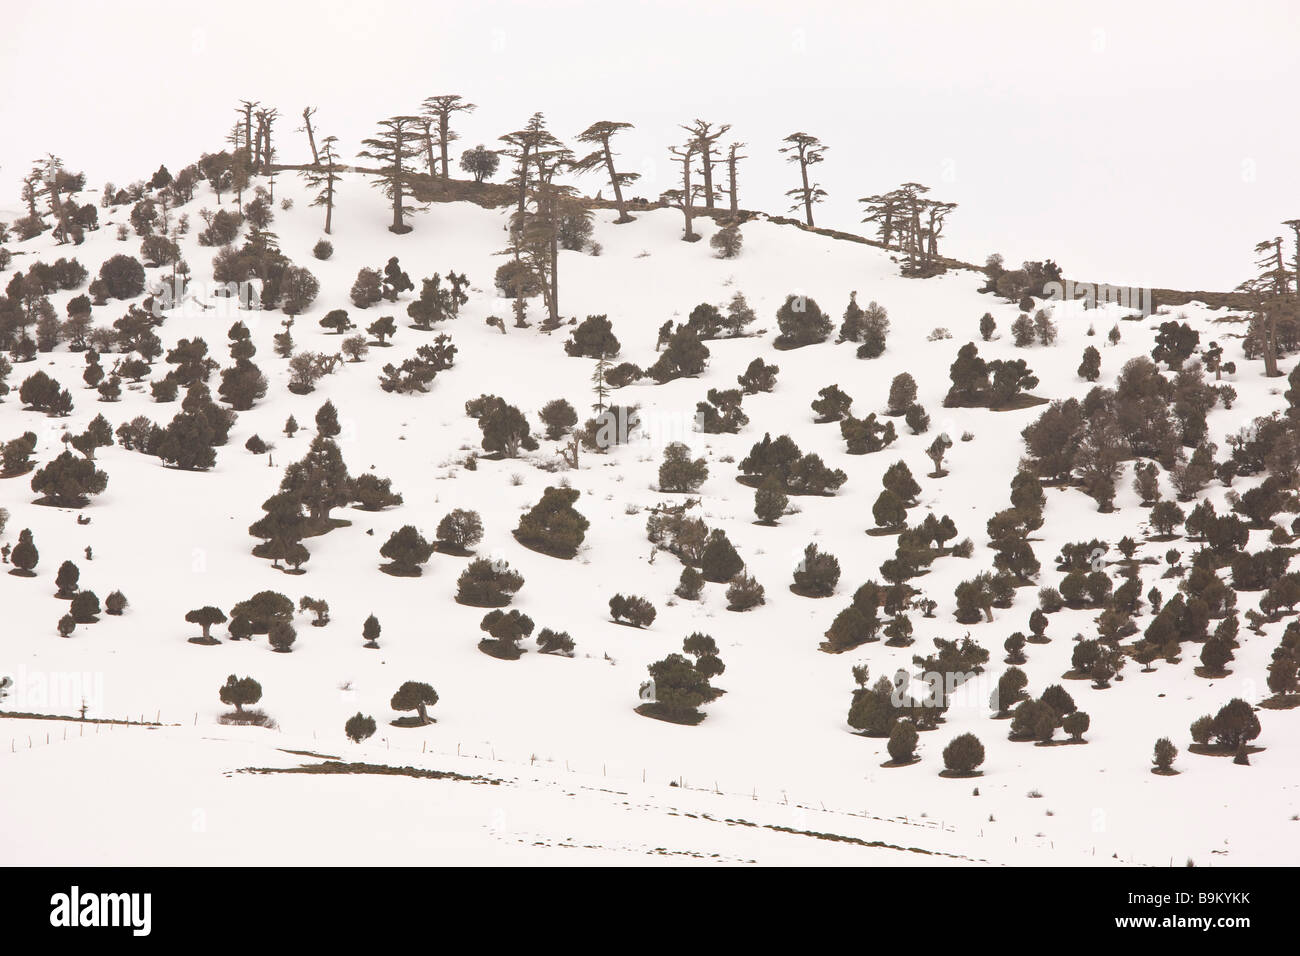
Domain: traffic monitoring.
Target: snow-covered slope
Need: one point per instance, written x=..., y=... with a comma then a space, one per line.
x=776, y=741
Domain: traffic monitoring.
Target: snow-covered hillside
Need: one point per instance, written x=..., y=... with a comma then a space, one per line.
x=583, y=776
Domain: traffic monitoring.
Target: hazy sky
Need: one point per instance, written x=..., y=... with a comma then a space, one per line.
x=1138, y=142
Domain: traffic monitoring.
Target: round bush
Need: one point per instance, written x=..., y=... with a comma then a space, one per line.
x=123, y=277
x=963, y=754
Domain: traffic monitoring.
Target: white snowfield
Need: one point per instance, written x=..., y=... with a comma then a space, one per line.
x=773, y=775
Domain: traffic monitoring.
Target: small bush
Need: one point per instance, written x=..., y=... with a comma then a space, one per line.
x=636, y=611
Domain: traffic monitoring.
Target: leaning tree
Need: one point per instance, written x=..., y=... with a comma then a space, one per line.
x=599, y=134
x=417, y=696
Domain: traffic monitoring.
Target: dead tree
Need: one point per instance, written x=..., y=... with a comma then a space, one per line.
x=311, y=137
x=703, y=137
x=569, y=452
x=246, y=107
x=733, y=157
x=268, y=150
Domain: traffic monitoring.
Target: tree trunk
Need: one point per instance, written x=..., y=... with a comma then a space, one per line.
x=397, y=184
x=731, y=186
x=1270, y=344
x=248, y=130
x=913, y=238
x=555, y=279
x=442, y=135
x=686, y=196
x=613, y=179
x=311, y=138
x=523, y=178
x=807, y=193
x=1296, y=229
x=553, y=299
x=707, y=155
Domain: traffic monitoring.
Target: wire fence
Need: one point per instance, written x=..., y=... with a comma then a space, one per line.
x=72, y=728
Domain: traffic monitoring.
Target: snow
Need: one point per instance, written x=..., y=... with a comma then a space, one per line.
x=561, y=733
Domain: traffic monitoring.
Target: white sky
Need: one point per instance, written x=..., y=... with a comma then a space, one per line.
x=1147, y=143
